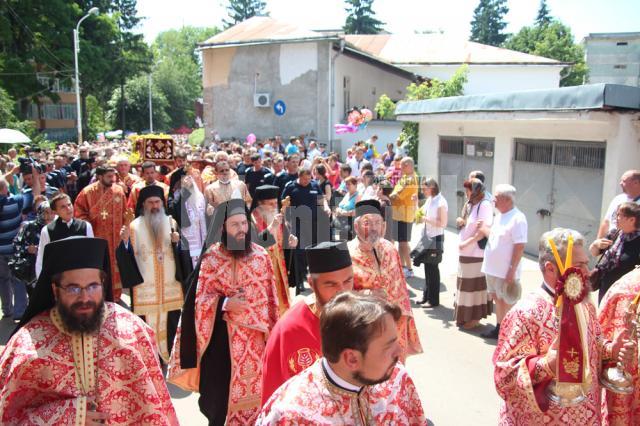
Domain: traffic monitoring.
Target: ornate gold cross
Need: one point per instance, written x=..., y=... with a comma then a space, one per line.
x=104, y=214
x=572, y=352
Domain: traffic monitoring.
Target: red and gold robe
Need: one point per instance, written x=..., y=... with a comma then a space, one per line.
x=386, y=276
x=293, y=345
x=128, y=180
x=105, y=209
x=276, y=253
x=522, y=374
x=46, y=373
x=135, y=193
x=222, y=275
x=619, y=409
x=311, y=399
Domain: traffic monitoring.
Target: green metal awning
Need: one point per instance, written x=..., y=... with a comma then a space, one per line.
x=587, y=97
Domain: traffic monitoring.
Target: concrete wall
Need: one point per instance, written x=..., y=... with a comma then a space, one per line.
x=620, y=131
x=367, y=83
x=496, y=78
x=611, y=62
x=294, y=73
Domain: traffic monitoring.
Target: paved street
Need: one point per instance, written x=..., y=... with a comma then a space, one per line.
x=454, y=375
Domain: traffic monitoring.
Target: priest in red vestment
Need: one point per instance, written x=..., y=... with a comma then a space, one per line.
x=616, y=309
x=76, y=359
x=104, y=205
x=358, y=381
x=377, y=268
x=264, y=212
x=228, y=314
x=149, y=177
x=294, y=343
x=526, y=357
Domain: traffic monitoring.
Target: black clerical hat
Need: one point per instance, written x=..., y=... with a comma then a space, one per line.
x=368, y=207
x=66, y=255
x=328, y=256
x=264, y=192
x=147, y=192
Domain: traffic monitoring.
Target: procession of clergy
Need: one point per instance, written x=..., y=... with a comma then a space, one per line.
x=221, y=322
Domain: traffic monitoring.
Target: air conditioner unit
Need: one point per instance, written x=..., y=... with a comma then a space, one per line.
x=261, y=100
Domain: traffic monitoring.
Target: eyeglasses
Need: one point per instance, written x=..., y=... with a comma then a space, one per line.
x=223, y=171
x=75, y=290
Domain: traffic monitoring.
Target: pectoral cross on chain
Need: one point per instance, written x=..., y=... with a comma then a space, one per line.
x=104, y=214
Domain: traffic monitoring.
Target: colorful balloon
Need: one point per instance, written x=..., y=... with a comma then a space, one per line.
x=251, y=138
x=367, y=114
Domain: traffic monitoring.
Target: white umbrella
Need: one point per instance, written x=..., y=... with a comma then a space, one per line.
x=13, y=136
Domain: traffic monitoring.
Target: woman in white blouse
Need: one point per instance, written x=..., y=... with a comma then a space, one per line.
x=434, y=216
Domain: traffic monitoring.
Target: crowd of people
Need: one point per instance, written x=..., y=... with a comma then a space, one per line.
x=205, y=253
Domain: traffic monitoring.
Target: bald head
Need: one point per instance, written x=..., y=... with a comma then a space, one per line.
x=630, y=183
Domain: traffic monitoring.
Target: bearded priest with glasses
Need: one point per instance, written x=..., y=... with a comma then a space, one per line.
x=76, y=358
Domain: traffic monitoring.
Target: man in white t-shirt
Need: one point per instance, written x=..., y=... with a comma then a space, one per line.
x=630, y=184
x=501, y=264
x=357, y=162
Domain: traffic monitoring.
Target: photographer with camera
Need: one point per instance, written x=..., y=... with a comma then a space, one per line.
x=13, y=293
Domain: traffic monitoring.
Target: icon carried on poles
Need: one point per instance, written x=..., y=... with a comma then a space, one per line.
x=279, y=107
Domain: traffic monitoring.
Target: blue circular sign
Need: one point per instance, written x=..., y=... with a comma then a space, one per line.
x=279, y=107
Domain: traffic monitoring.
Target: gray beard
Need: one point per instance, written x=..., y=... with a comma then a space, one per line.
x=155, y=223
x=267, y=215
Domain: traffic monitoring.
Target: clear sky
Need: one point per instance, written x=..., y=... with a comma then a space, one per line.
x=400, y=16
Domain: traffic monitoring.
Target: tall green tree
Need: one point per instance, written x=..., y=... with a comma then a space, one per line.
x=241, y=10
x=178, y=71
x=544, y=16
x=136, y=106
x=488, y=22
x=361, y=18
x=553, y=40
x=36, y=37
x=430, y=89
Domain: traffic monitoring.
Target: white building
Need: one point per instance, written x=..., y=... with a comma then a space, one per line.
x=563, y=149
x=613, y=58
x=491, y=69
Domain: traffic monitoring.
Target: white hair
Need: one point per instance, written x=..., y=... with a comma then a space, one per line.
x=506, y=190
x=560, y=237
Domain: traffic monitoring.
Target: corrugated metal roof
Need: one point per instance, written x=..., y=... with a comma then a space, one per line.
x=439, y=49
x=587, y=97
x=261, y=28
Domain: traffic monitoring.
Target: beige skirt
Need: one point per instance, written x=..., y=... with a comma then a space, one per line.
x=471, y=302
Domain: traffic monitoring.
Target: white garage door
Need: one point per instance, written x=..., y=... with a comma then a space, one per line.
x=458, y=157
x=559, y=184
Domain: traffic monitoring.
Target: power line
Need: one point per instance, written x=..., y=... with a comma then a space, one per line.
x=13, y=12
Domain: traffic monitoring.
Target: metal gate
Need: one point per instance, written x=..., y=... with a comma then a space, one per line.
x=559, y=184
x=458, y=157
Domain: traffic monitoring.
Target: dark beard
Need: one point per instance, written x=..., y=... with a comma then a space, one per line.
x=370, y=382
x=238, y=248
x=82, y=325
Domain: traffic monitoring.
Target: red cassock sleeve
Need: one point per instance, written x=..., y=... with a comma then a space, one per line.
x=293, y=345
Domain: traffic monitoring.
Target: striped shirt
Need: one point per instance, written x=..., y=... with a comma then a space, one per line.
x=11, y=219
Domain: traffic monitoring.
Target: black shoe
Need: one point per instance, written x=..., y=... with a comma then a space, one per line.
x=422, y=301
x=493, y=333
x=7, y=316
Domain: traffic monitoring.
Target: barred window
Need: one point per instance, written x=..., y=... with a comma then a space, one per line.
x=451, y=146
x=534, y=152
x=582, y=156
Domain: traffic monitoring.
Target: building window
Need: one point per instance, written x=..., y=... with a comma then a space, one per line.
x=620, y=67
x=621, y=43
x=534, y=152
x=580, y=156
x=469, y=146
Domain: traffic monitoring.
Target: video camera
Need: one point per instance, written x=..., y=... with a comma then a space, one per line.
x=27, y=162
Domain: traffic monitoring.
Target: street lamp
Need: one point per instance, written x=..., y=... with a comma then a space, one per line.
x=76, y=49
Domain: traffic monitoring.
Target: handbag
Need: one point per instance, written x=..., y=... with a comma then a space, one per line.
x=426, y=251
